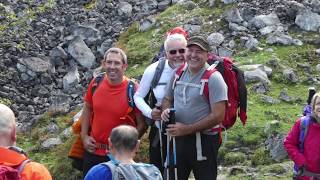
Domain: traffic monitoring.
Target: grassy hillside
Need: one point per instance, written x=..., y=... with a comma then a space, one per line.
x=142, y=46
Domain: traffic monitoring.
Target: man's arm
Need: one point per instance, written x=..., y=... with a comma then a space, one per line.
x=88, y=141
x=141, y=125
x=167, y=103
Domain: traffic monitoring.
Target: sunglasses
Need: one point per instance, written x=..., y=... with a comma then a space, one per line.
x=181, y=51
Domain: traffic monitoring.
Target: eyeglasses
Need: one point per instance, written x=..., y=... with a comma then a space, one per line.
x=181, y=51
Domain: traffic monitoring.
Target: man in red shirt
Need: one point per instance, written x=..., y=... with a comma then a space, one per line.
x=106, y=108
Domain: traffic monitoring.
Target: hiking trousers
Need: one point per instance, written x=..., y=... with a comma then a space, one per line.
x=187, y=157
x=90, y=160
x=154, y=148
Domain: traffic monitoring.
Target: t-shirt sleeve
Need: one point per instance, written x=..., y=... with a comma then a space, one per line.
x=218, y=90
x=88, y=95
x=99, y=172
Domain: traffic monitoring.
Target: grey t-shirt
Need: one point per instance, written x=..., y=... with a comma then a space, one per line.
x=190, y=106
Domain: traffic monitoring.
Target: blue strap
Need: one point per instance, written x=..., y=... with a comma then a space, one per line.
x=130, y=94
x=304, y=125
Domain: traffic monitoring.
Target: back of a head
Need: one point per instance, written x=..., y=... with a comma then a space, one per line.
x=314, y=101
x=7, y=121
x=124, y=138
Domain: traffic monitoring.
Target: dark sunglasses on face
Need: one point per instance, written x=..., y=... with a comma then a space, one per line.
x=181, y=51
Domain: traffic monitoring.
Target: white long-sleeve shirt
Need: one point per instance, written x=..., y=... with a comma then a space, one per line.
x=145, y=85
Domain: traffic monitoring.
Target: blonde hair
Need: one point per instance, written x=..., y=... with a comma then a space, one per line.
x=116, y=51
x=313, y=100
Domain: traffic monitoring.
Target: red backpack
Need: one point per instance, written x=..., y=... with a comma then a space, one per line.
x=237, y=91
x=13, y=172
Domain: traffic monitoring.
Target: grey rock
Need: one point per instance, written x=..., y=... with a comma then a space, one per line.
x=236, y=27
x=308, y=21
x=57, y=55
x=262, y=21
x=290, y=75
x=318, y=51
x=232, y=15
x=52, y=128
x=105, y=46
x=318, y=67
x=188, y=5
x=60, y=103
x=284, y=96
x=276, y=147
x=163, y=5
x=87, y=33
x=252, y=44
x=50, y=143
x=248, y=13
x=124, y=9
x=147, y=24
x=256, y=75
x=261, y=88
x=252, y=67
x=225, y=52
x=269, y=100
x=81, y=53
x=211, y=3
x=215, y=39
x=35, y=64
x=192, y=29
x=279, y=38
x=228, y=1
x=71, y=79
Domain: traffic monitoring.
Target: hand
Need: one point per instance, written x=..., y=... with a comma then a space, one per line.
x=165, y=115
x=178, y=129
x=89, y=143
x=156, y=114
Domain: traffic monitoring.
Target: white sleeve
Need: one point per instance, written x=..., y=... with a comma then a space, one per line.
x=143, y=90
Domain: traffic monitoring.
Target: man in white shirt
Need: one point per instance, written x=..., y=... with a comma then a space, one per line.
x=175, y=47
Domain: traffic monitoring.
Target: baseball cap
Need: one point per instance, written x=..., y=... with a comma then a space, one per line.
x=199, y=41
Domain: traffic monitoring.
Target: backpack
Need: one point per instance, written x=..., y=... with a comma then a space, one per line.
x=12, y=173
x=237, y=91
x=76, y=152
x=134, y=171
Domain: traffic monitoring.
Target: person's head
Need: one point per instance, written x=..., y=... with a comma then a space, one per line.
x=115, y=63
x=315, y=104
x=124, y=139
x=175, y=47
x=7, y=126
x=197, y=53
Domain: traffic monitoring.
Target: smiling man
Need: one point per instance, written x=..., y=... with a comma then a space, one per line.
x=105, y=107
x=196, y=144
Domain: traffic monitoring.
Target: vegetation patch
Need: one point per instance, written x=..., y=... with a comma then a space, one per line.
x=260, y=157
x=234, y=158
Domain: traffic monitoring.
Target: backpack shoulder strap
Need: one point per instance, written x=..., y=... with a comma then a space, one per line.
x=304, y=126
x=97, y=80
x=130, y=93
x=178, y=74
x=158, y=72
x=205, y=79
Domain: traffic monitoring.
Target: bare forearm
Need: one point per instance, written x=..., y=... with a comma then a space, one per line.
x=166, y=103
x=141, y=125
x=85, y=119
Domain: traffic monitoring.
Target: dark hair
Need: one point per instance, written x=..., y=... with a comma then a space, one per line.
x=124, y=137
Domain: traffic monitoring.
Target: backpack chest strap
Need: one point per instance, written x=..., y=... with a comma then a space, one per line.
x=185, y=85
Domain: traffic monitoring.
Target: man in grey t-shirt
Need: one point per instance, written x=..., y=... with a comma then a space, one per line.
x=196, y=144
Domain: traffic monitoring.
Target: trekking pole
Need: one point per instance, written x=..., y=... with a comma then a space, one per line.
x=175, y=158
x=158, y=106
x=168, y=156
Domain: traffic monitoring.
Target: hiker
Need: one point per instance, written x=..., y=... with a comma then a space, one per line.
x=196, y=145
x=302, y=143
x=14, y=163
x=175, y=47
x=123, y=145
x=106, y=108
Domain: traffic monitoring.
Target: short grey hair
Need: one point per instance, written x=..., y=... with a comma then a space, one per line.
x=116, y=51
x=174, y=37
x=7, y=120
x=124, y=138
